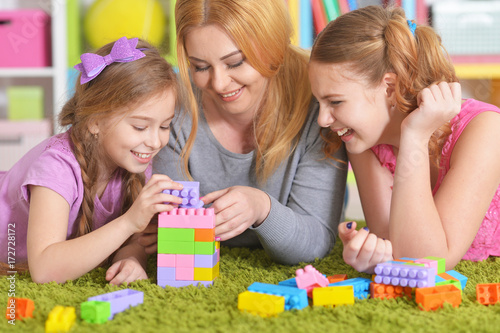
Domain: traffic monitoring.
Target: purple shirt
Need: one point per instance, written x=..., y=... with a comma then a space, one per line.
x=50, y=164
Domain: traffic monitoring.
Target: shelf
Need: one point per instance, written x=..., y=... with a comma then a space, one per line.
x=27, y=72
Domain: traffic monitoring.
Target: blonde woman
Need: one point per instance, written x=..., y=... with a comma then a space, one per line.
x=252, y=140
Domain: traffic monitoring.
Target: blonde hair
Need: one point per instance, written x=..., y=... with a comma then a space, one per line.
x=375, y=41
x=262, y=31
x=118, y=87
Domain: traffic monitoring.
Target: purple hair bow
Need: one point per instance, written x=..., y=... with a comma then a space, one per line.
x=123, y=51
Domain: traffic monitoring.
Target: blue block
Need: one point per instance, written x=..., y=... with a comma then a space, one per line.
x=294, y=298
x=360, y=285
x=459, y=277
x=289, y=283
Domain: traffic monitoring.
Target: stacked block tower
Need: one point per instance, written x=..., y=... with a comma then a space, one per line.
x=188, y=252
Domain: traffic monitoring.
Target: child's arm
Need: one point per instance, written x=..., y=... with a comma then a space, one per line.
x=129, y=263
x=53, y=258
x=444, y=225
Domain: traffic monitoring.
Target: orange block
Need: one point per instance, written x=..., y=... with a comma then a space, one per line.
x=433, y=298
x=385, y=291
x=337, y=278
x=204, y=235
x=488, y=293
x=19, y=308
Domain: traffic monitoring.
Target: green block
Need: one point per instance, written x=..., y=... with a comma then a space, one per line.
x=96, y=312
x=176, y=234
x=204, y=247
x=171, y=247
x=441, y=263
x=25, y=103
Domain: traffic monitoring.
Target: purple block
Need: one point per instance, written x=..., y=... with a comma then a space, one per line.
x=206, y=260
x=120, y=300
x=177, y=284
x=190, y=194
x=405, y=275
x=166, y=273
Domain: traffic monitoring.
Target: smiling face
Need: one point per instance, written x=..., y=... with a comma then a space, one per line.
x=358, y=113
x=132, y=138
x=222, y=72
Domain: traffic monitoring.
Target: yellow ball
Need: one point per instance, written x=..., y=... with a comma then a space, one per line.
x=108, y=20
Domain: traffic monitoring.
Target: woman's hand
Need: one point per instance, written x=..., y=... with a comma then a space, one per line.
x=125, y=271
x=237, y=208
x=151, y=201
x=437, y=105
x=362, y=249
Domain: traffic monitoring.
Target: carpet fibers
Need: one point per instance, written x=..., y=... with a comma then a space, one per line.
x=214, y=309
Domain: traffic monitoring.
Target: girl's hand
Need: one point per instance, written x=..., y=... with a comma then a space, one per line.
x=125, y=271
x=362, y=249
x=149, y=237
x=151, y=201
x=437, y=105
x=237, y=208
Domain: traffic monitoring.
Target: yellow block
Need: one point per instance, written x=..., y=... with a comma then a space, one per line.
x=261, y=304
x=60, y=319
x=333, y=296
x=206, y=274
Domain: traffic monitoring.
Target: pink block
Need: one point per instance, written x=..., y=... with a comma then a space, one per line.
x=184, y=260
x=428, y=263
x=201, y=218
x=309, y=278
x=166, y=260
x=184, y=273
x=25, y=38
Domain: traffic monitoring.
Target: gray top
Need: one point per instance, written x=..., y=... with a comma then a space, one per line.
x=306, y=191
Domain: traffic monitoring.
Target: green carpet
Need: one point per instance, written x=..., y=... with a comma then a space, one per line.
x=214, y=309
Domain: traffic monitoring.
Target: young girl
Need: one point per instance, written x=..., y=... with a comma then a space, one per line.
x=427, y=164
x=79, y=196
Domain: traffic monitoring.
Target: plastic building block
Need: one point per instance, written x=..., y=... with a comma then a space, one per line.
x=204, y=235
x=178, y=284
x=453, y=282
x=120, y=300
x=333, y=296
x=441, y=263
x=169, y=247
x=433, y=298
x=387, y=291
x=309, y=278
x=337, y=278
x=60, y=319
x=190, y=194
x=261, y=304
x=95, y=312
x=294, y=298
x=289, y=283
x=184, y=260
x=166, y=260
x=429, y=263
x=455, y=276
x=206, y=260
x=404, y=275
x=488, y=293
x=176, y=234
x=19, y=308
x=185, y=273
x=182, y=218
x=360, y=285
x=206, y=274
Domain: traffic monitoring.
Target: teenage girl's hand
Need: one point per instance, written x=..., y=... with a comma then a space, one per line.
x=237, y=208
x=151, y=201
x=125, y=271
x=363, y=250
x=437, y=104
x=149, y=237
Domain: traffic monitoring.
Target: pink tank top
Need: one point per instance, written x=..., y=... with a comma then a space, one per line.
x=487, y=240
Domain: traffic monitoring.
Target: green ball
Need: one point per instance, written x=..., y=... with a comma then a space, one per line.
x=108, y=20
